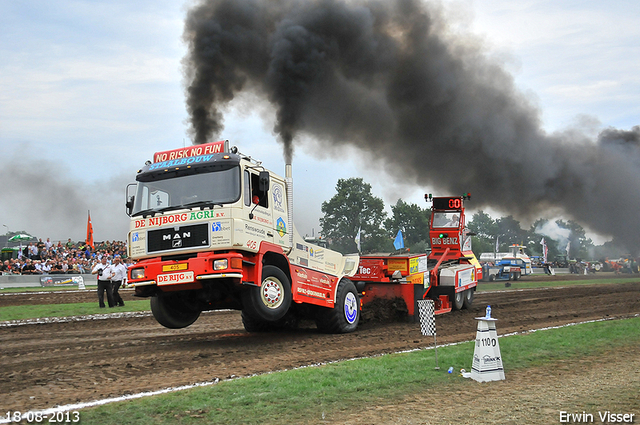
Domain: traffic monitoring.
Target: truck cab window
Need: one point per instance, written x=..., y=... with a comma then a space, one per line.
x=257, y=196
x=247, y=189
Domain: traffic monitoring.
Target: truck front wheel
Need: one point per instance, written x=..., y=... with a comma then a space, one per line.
x=173, y=312
x=272, y=299
x=345, y=314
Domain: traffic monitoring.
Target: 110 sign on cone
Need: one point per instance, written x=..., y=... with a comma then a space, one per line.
x=487, y=360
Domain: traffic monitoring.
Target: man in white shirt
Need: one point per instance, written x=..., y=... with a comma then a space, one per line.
x=33, y=251
x=104, y=281
x=118, y=276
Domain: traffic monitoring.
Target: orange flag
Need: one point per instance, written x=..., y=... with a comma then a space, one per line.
x=90, y=231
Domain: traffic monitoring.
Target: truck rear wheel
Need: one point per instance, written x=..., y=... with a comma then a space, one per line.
x=468, y=297
x=458, y=300
x=173, y=312
x=345, y=314
x=272, y=299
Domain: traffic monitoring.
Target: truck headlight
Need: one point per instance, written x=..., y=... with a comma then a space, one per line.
x=220, y=264
x=137, y=274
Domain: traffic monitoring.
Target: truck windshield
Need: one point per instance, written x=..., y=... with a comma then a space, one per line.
x=446, y=219
x=195, y=190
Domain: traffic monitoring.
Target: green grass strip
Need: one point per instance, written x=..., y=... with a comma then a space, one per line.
x=523, y=284
x=305, y=395
x=43, y=289
x=22, y=312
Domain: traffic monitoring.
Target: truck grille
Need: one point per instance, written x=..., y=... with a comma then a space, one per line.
x=178, y=238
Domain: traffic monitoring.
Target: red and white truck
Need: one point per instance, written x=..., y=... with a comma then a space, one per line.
x=212, y=229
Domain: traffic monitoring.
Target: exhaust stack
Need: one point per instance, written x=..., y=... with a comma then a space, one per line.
x=288, y=178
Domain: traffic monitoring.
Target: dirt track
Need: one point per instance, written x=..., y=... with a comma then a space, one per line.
x=43, y=365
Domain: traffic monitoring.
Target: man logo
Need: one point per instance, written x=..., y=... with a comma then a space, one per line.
x=177, y=243
x=176, y=236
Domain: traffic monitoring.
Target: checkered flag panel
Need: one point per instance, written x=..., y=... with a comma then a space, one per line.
x=426, y=309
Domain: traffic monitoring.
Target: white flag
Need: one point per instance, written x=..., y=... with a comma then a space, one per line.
x=545, y=250
x=358, y=239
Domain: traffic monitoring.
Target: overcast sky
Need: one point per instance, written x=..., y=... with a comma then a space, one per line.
x=90, y=89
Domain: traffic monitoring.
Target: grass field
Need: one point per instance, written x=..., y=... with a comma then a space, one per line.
x=524, y=284
x=43, y=289
x=311, y=394
x=23, y=312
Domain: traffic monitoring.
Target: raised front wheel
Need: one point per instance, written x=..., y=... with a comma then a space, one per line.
x=272, y=299
x=173, y=311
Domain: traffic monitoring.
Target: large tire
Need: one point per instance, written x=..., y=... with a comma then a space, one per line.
x=468, y=297
x=458, y=300
x=272, y=299
x=345, y=314
x=173, y=311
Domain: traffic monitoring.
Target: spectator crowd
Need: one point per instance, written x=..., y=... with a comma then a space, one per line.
x=40, y=257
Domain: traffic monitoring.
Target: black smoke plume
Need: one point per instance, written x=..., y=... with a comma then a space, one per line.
x=388, y=77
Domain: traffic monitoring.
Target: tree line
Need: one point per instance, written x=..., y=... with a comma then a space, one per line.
x=354, y=208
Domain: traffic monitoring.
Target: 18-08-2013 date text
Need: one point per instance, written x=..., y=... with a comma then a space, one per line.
x=30, y=417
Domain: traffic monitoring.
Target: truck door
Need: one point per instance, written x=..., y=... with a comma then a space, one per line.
x=258, y=211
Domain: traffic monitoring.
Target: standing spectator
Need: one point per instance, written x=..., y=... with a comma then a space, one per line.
x=48, y=245
x=118, y=276
x=33, y=251
x=104, y=282
x=41, y=247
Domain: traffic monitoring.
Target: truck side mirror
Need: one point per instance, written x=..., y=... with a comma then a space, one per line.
x=263, y=181
x=129, y=205
x=130, y=198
